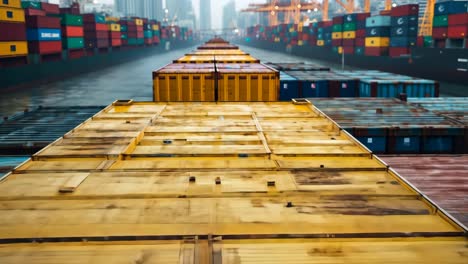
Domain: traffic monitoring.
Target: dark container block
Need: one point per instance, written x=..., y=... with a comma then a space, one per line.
x=12, y=31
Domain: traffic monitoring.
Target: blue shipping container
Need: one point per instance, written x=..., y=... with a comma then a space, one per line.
x=44, y=34
x=438, y=144
x=401, y=21
x=403, y=41
x=421, y=88
x=378, y=21
x=350, y=18
x=404, y=32
x=375, y=144
x=289, y=87
x=378, y=31
x=361, y=24
x=451, y=7
x=407, y=145
x=317, y=88
x=380, y=88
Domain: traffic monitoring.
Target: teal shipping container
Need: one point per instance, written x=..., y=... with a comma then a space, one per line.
x=378, y=21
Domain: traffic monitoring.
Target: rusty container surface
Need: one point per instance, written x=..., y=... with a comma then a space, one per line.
x=217, y=183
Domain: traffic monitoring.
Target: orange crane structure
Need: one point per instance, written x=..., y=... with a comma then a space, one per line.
x=295, y=7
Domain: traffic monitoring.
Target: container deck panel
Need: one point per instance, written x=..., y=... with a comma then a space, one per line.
x=443, y=178
x=230, y=173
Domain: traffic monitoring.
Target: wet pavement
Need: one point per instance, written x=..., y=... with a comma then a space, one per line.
x=130, y=80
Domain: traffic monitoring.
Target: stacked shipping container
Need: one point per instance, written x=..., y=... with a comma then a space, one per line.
x=148, y=32
x=404, y=31
x=450, y=25
x=115, y=35
x=377, y=35
x=156, y=27
x=43, y=31
x=337, y=33
x=96, y=31
x=73, y=35
x=12, y=31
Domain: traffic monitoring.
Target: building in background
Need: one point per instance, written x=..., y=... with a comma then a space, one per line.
x=230, y=15
x=181, y=12
x=205, y=14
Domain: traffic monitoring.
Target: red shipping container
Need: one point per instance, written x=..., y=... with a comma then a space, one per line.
x=131, y=34
x=360, y=42
x=405, y=10
x=420, y=41
x=116, y=42
x=361, y=33
x=34, y=12
x=348, y=42
x=439, y=32
x=45, y=47
x=376, y=51
x=362, y=16
x=127, y=23
x=149, y=41
x=97, y=43
x=72, y=11
x=75, y=54
x=156, y=39
x=385, y=13
x=458, y=19
x=42, y=22
x=348, y=50
x=325, y=23
x=72, y=31
x=132, y=28
x=96, y=34
x=337, y=42
x=139, y=28
x=397, y=52
x=140, y=34
x=12, y=31
x=115, y=35
x=338, y=20
x=95, y=27
x=50, y=8
x=458, y=32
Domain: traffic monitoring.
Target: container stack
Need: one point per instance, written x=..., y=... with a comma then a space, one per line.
x=360, y=40
x=115, y=35
x=156, y=27
x=148, y=33
x=44, y=38
x=72, y=35
x=457, y=20
x=377, y=35
x=404, y=31
x=96, y=32
x=140, y=35
x=324, y=84
x=337, y=33
x=13, y=44
x=312, y=34
x=324, y=35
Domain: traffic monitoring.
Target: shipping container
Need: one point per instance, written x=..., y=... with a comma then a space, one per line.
x=297, y=66
x=11, y=3
x=44, y=34
x=45, y=47
x=378, y=21
x=12, y=31
x=13, y=48
x=325, y=84
x=450, y=7
x=217, y=59
x=12, y=15
x=42, y=22
x=208, y=183
x=73, y=43
x=230, y=82
x=70, y=20
x=392, y=126
x=290, y=87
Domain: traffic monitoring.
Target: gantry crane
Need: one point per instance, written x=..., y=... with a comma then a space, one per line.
x=295, y=7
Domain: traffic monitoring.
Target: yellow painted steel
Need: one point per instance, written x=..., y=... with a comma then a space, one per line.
x=184, y=87
x=113, y=19
x=377, y=42
x=13, y=48
x=248, y=87
x=337, y=35
x=155, y=27
x=258, y=182
x=11, y=3
x=217, y=52
x=320, y=42
x=114, y=27
x=218, y=59
x=349, y=34
x=11, y=14
x=139, y=22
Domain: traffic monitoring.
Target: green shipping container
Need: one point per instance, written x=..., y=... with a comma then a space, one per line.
x=123, y=36
x=428, y=41
x=30, y=4
x=135, y=41
x=148, y=34
x=349, y=27
x=337, y=28
x=70, y=20
x=100, y=19
x=123, y=28
x=335, y=49
x=440, y=21
x=359, y=51
x=73, y=43
x=156, y=33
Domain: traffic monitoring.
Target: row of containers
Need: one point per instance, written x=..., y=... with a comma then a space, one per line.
x=216, y=72
x=33, y=32
x=301, y=80
x=219, y=71
x=393, y=126
x=392, y=34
